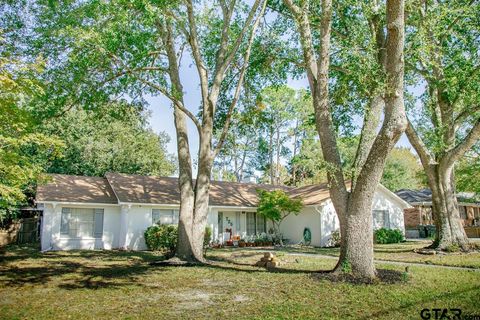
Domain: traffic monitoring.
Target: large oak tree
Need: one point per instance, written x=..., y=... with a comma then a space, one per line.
x=443, y=58
x=353, y=204
x=101, y=50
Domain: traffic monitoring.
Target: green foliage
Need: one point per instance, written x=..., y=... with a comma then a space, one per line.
x=467, y=172
x=335, y=239
x=277, y=204
x=442, y=54
x=402, y=171
x=385, y=236
x=453, y=248
x=112, y=138
x=208, y=236
x=346, y=266
x=162, y=237
x=24, y=152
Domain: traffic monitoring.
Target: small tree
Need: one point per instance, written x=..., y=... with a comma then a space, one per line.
x=276, y=205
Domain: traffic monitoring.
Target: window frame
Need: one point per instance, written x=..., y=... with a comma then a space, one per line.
x=94, y=234
x=175, y=216
x=385, y=219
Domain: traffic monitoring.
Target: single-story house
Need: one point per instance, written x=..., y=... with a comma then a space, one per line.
x=420, y=215
x=114, y=211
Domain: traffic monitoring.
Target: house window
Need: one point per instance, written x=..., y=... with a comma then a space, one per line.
x=256, y=223
x=250, y=223
x=463, y=212
x=81, y=223
x=477, y=213
x=237, y=223
x=164, y=216
x=381, y=219
x=261, y=224
x=220, y=222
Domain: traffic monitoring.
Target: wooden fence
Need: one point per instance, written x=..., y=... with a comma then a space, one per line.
x=20, y=232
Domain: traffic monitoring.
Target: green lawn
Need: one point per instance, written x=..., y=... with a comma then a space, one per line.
x=123, y=285
x=403, y=252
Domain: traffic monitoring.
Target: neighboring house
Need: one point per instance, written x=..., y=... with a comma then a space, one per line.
x=114, y=212
x=420, y=217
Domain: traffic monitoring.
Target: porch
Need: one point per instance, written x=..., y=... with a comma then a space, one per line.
x=235, y=226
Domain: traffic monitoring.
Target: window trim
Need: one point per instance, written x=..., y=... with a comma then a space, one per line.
x=65, y=236
x=386, y=214
x=175, y=215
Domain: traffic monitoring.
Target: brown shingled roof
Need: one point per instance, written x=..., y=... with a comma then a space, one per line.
x=164, y=190
x=66, y=188
x=128, y=188
x=312, y=194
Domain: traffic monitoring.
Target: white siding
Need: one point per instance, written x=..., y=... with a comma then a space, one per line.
x=321, y=220
x=323, y=225
x=292, y=226
x=52, y=240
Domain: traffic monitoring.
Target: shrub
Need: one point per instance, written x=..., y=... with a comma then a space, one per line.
x=207, y=238
x=335, y=239
x=162, y=237
x=384, y=236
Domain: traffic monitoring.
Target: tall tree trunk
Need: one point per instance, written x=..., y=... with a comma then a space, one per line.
x=450, y=231
x=357, y=246
x=184, y=243
x=295, y=142
x=277, y=162
x=270, y=149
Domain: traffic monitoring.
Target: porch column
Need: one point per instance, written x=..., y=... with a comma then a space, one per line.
x=122, y=237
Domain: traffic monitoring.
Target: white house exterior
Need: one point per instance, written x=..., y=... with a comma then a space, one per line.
x=114, y=212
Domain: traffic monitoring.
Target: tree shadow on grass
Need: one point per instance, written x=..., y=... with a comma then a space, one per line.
x=14, y=253
x=71, y=275
x=74, y=269
x=224, y=263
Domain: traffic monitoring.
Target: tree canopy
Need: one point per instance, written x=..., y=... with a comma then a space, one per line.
x=113, y=138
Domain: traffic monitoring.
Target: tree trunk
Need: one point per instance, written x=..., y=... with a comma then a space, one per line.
x=184, y=243
x=270, y=149
x=356, y=251
x=450, y=231
x=277, y=162
x=184, y=249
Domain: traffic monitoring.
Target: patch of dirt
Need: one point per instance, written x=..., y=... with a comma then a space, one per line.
x=383, y=276
x=241, y=298
x=193, y=299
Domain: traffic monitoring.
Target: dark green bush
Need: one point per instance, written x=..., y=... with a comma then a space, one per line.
x=162, y=237
x=384, y=236
x=208, y=236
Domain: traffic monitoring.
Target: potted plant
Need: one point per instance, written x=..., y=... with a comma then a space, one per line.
x=242, y=243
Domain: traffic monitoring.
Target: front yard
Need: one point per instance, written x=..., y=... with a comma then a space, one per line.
x=123, y=285
x=403, y=252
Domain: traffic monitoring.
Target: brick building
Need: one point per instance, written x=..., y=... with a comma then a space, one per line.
x=419, y=220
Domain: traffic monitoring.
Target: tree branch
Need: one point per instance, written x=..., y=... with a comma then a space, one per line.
x=425, y=156
x=176, y=103
x=240, y=83
x=472, y=137
x=193, y=40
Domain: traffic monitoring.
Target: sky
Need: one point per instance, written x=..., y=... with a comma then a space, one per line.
x=161, y=118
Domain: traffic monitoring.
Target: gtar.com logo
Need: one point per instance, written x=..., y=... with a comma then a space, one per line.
x=441, y=314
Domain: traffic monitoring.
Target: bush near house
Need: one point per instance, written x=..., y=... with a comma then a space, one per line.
x=207, y=238
x=384, y=236
x=162, y=237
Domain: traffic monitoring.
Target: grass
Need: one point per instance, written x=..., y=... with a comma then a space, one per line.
x=403, y=252
x=123, y=285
